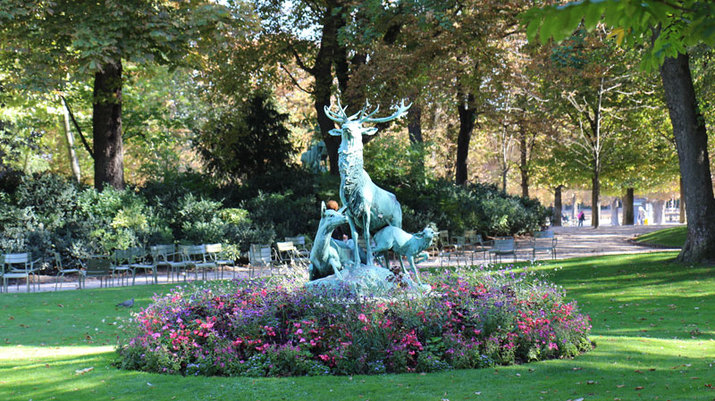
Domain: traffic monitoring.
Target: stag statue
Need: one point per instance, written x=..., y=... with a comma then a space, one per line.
x=369, y=207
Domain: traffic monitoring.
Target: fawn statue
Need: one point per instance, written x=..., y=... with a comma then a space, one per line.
x=403, y=244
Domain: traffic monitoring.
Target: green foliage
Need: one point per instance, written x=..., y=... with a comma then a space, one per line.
x=287, y=213
x=478, y=207
x=452, y=207
x=47, y=213
x=391, y=161
x=687, y=23
x=83, y=36
x=251, y=139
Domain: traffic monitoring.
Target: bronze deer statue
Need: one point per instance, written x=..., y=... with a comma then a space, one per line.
x=369, y=207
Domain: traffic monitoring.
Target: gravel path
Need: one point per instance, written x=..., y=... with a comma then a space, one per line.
x=605, y=240
x=572, y=242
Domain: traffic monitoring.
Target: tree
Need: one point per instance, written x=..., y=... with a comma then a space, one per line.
x=668, y=30
x=306, y=34
x=250, y=140
x=594, y=99
x=51, y=39
x=442, y=54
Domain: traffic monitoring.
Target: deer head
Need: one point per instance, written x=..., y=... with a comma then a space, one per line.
x=330, y=219
x=351, y=127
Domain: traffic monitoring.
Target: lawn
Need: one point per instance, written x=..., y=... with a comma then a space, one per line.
x=652, y=322
x=673, y=237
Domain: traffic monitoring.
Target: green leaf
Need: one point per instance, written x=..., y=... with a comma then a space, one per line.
x=532, y=29
x=592, y=15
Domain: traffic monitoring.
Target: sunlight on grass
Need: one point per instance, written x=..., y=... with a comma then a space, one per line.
x=673, y=237
x=28, y=353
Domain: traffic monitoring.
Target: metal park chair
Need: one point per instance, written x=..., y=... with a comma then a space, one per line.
x=61, y=271
x=17, y=266
x=544, y=241
x=503, y=246
x=216, y=254
x=259, y=255
x=195, y=257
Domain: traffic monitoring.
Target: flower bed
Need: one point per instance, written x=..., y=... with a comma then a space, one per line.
x=472, y=319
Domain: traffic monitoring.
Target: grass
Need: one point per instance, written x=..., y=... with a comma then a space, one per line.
x=652, y=322
x=669, y=237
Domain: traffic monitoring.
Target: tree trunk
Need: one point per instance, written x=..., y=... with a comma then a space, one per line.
x=467, y=119
x=614, y=212
x=681, y=203
x=658, y=211
x=556, y=219
x=504, y=174
x=323, y=75
x=71, y=154
x=524, y=163
x=414, y=129
x=573, y=208
x=595, y=203
x=628, y=216
x=414, y=123
x=107, y=127
x=692, y=144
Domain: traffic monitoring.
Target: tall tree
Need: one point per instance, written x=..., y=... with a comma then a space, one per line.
x=448, y=52
x=48, y=39
x=668, y=30
x=593, y=97
x=307, y=34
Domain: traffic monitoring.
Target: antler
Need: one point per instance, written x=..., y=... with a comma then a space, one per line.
x=401, y=110
x=340, y=117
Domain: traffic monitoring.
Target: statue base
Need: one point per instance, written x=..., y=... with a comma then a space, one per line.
x=369, y=281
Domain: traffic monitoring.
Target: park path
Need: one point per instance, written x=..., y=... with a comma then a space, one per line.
x=572, y=242
x=604, y=240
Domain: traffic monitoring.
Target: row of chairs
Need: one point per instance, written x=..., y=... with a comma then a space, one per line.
x=179, y=261
x=467, y=248
x=121, y=264
x=292, y=252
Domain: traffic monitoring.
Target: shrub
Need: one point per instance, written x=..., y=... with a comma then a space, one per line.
x=477, y=207
x=472, y=319
x=46, y=213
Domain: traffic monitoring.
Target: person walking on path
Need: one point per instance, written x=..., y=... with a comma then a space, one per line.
x=581, y=218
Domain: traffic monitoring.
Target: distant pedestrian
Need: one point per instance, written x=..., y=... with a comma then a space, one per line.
x=581, y=218
x=641, y=216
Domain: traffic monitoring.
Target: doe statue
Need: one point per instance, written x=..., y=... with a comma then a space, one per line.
x=324, y=255
x=369, y=207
